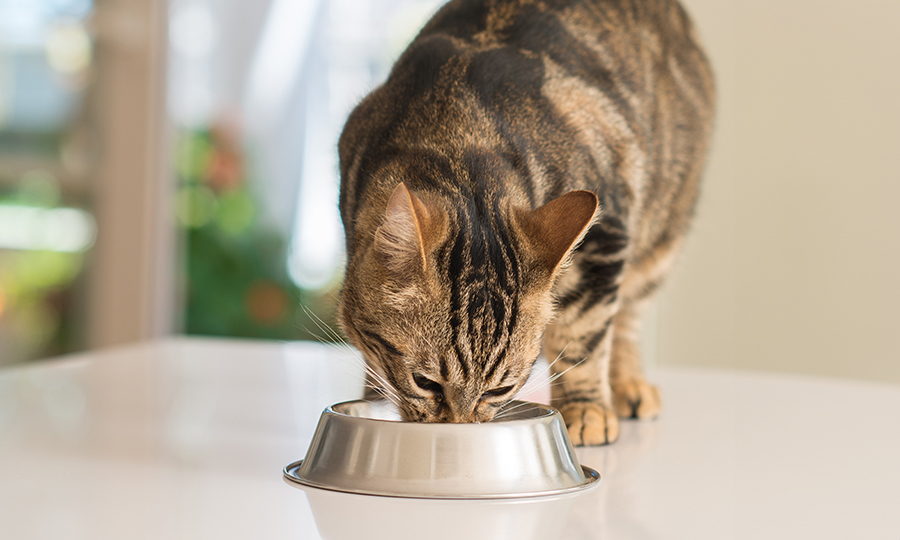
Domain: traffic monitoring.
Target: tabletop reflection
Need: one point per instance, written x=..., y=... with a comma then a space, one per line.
x=344, y=516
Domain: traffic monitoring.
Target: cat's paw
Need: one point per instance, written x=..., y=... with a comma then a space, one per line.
x=590, y=424
x=636, y=398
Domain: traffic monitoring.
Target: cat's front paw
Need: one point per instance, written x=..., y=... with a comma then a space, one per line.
x=636, y=398
x=590, y=424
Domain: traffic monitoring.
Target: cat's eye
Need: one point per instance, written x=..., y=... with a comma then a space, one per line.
x=428, y=385
x=497, y=392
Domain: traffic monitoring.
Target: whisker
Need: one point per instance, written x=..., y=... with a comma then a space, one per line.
x=537, y=382
x=384, y=387
x=381, y=383
x=558, y=357
x=560, y=374
x=339, y=345
x=342, y=348
x=383, y=394
x=387, y=387
x=323, y=326
x=506, y=412
x=550, y=382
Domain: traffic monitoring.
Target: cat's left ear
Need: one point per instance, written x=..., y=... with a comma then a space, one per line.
x=552, y=230
x=410, y=230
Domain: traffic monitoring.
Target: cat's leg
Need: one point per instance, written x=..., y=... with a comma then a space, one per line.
x=633, y=396
x=578, y=343
x=580, y=355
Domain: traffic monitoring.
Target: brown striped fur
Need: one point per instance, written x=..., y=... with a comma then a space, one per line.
x=469, y=193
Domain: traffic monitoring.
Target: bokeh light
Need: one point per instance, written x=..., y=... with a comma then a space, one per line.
x=68, y=48
x=45, y=269
x=192, y=29
x=235, y=213
x=266, y=302
x=38, y=187
x=192, y=157
x=69, y=230
x=196, y=206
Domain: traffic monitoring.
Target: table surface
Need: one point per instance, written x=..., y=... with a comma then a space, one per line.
x=186, y=438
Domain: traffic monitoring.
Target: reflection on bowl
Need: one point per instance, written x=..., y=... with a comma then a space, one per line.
x=344, y=516
x=362, y=447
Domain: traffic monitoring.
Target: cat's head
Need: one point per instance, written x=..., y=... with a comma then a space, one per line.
x=449, y=302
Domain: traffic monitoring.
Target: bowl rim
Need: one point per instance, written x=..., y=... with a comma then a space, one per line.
x=292, y=477
x=547, y=411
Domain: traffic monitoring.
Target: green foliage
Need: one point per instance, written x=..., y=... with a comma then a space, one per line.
x=237, y=282
x=35, y=285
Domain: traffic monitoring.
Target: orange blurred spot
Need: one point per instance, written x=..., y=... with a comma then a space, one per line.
x=224, y=171
x=266, y=302
x=226, y=167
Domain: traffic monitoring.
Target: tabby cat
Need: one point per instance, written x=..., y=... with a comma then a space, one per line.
x=524, y=177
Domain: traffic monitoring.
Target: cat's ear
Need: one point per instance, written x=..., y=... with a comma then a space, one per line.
x=410, y=229
x=552, y=230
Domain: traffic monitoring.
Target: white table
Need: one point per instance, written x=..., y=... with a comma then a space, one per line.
x=186, y=438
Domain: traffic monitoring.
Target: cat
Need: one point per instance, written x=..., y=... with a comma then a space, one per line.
x=522, y=181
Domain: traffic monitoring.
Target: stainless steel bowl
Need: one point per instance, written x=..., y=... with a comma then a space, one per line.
x=363, y=447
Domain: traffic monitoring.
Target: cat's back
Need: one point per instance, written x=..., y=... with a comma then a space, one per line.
x=593, y=94
x=611, y=43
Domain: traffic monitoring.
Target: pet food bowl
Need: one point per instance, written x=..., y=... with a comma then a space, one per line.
x=363, y=447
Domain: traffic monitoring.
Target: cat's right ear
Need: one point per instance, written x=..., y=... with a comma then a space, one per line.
x=410, y=229
x=554, y=229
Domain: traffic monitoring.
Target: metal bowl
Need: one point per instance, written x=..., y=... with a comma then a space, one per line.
x=363, y=447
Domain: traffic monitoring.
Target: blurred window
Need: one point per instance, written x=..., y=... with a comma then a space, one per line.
x=259, y=93
x=46, y=229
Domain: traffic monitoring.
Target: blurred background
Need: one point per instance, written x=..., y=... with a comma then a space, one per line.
x=171, y=168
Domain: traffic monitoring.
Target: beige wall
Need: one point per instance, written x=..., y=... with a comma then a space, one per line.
x=794, y=261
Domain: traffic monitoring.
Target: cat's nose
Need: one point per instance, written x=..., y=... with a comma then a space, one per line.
x=461, y=413
x=461, y=419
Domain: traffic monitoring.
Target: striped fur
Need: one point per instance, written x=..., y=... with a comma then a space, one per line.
x=472, y=173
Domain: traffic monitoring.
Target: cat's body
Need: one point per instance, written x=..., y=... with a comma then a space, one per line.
x=456, y=275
